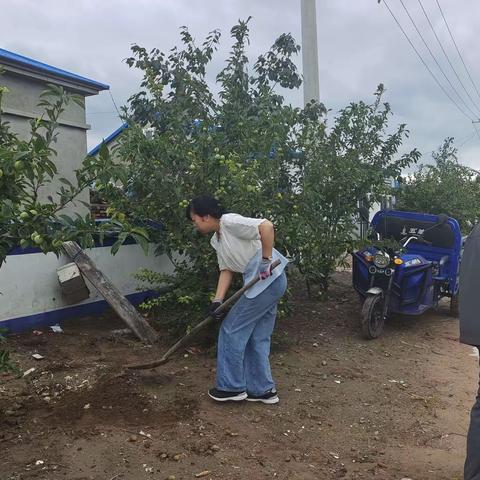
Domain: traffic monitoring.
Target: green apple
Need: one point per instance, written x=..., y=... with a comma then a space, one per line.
x=24, y=215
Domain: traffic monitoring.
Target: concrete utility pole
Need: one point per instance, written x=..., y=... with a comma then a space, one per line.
x=311, y=89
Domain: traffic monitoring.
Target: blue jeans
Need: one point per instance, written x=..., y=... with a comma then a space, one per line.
x=472, y=462
x=244, y=342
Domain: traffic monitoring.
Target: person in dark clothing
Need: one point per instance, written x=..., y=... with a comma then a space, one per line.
x=470, y=334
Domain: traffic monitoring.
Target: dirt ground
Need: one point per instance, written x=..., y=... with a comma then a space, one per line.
x=393, y=408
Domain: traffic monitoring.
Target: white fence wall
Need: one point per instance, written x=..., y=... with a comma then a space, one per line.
x=31, y=295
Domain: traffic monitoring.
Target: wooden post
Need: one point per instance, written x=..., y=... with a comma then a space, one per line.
x=112, y=295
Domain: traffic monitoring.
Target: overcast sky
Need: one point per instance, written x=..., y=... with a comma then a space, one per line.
x=359, y=44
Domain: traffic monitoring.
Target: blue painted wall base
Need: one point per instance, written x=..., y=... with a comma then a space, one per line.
x=45, y=319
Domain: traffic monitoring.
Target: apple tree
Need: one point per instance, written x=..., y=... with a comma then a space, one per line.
x=445, y=186
x=240, y=141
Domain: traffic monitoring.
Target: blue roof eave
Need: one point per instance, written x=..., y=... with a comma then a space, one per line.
x=14, y=59
x=107, y=140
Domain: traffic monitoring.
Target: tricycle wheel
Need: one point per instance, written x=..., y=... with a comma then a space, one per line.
x=454, y=305
x=372, y=316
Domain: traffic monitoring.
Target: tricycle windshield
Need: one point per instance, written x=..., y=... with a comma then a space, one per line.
x=443, y=238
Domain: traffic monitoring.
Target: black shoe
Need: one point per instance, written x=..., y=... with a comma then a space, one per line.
x=269, y=397
x=223, y=396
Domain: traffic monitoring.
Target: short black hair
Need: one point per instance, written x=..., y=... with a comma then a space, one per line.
x=204, y=205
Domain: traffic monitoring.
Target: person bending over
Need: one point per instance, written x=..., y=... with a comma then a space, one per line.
x=243, y=245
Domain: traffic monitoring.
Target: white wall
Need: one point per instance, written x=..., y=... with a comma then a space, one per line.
x=29, y=282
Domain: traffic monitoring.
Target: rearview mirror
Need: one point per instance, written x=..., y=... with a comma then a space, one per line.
x=442, y=219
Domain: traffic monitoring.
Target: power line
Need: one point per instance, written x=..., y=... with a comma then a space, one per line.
x=464, y=140
x=468, y=139
x=423, y=61
x=476, y=129
x=113, y=101
x=102, y=113
x=446, y=56
x=458, y=51
x=459, y=140
x=436, y=61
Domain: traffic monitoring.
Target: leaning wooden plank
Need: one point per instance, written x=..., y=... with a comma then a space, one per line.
x=112, y=295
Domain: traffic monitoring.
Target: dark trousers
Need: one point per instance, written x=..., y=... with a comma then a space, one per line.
x=472, y=462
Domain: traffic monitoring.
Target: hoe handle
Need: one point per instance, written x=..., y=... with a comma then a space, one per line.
x=185, y=339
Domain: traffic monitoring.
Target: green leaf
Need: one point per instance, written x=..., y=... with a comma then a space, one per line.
x=140, y=231
x=116, y=246
x=66, y=219
x=142, y=241
x=104, y=153
x=66, y=181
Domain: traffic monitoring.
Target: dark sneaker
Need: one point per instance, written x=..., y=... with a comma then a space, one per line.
x=223, y=396
x=269, y=397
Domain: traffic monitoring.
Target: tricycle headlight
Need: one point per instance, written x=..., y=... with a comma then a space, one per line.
x=381, y=260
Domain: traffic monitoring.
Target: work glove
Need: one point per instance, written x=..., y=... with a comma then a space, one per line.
x=213, y=306
x=265, y=268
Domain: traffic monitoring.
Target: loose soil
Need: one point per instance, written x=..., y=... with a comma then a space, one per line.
x=396, y=407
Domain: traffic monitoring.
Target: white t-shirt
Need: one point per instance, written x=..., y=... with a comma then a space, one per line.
x=237, y=242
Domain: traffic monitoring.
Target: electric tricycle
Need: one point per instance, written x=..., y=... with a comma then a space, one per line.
x=412, y=263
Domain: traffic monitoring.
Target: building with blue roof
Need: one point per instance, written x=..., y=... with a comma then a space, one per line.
x=26, y=79
x=109, y=141
x=29, y=280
